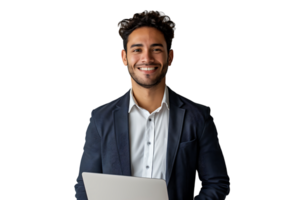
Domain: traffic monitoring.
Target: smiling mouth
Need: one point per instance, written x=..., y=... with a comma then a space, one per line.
x=147, y=68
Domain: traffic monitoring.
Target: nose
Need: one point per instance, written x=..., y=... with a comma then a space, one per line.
x=147, y=57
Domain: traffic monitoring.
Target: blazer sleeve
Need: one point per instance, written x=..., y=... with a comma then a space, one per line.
x=91, y=158
x=211, y=164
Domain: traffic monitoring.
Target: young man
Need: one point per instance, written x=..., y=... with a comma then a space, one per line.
x=151, y=131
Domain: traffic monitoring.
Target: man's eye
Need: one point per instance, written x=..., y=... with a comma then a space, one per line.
x=138, y=50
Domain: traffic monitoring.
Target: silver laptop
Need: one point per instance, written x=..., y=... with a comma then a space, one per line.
x=114, y=187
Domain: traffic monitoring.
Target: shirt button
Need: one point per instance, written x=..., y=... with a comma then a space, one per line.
x=147, y=166
x=150, y=119
x=148, y=143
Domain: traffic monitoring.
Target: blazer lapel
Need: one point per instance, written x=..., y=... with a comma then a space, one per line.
x=121, y=126
x=122, y=133
x=176, y=118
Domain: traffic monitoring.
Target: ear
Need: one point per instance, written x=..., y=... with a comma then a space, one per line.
x=171, y=54
x=124, y=59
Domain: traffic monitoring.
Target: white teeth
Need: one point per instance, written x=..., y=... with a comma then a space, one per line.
x=147, y=69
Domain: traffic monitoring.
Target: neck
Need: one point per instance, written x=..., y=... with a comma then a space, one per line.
x=148, y=98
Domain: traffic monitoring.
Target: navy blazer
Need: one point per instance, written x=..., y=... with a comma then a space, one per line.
x=192, y=145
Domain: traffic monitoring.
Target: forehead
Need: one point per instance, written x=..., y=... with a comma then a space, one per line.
x=146, y=35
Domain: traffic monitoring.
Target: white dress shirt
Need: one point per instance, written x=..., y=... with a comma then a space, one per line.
x=148, y=138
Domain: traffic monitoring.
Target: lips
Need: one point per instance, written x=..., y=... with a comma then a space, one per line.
x=147, y=70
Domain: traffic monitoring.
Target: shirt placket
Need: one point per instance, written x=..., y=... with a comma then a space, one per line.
x=149, y=146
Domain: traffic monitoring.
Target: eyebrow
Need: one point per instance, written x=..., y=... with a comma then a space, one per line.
x=152, y=45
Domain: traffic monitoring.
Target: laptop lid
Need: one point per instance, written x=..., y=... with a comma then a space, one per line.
x=115, y=187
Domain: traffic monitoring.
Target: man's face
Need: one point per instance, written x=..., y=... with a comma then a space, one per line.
x=147, y=58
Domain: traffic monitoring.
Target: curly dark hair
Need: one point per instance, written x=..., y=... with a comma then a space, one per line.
x=152, y=19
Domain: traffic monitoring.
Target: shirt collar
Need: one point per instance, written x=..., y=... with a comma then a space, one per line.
x=133, y=102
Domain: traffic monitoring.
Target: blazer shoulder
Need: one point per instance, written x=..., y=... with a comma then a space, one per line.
x=105, y=110
x=193, y=105
x=198, y=108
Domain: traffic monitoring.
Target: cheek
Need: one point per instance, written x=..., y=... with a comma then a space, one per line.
x=160, y=58
x=133, y=60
